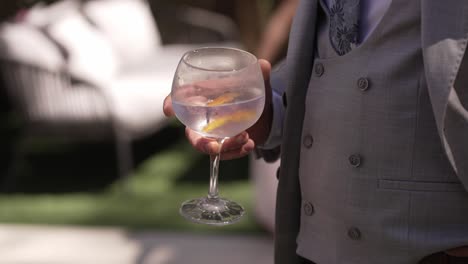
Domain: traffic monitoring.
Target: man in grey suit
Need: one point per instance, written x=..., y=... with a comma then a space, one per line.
x=371, y=115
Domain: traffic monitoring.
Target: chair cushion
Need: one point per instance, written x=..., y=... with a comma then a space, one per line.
x=21, y=43
x=137, y=101
x=138, y=92
x=89, y=54
x=163, y=62
x=41, y=15
x=128, y=24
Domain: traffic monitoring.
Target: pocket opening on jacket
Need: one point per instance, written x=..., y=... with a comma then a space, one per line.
x=421, y=186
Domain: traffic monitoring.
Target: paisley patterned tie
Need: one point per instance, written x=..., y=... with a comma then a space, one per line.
x=344, y=21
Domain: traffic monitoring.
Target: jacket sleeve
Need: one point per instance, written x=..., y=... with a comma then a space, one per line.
x=444, y=36
x=455, y=124
x=270, y=150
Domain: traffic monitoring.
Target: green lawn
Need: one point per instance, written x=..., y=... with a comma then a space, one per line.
x=150, y=198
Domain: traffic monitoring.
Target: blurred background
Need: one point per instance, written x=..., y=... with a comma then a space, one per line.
x=90, y=169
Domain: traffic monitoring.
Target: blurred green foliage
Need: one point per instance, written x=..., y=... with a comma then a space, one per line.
x=149, y=198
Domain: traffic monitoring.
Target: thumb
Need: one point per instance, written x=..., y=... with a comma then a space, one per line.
x=266, y=69
x=167, y=106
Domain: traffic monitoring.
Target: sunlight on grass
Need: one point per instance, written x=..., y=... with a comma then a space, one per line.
x=155, y=176
x=156, y=191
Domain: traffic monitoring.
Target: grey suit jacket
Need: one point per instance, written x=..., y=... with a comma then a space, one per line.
x=444, y=38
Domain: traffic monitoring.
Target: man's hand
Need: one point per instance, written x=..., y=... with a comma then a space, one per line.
x=458, y=252
x=242, y=144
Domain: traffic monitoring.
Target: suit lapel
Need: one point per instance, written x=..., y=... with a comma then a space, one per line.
x=444, y=40
x=299, y=66
x=301, y=47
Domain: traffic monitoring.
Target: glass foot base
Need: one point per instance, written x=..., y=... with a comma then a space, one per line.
x=212, y=211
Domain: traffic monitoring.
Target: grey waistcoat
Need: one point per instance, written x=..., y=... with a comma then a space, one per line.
x=376, y=184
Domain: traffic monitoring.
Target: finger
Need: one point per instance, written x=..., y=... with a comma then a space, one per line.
x=458, y=252
x=235, y=142
x=239, y=146
x=266, y=71
x=266, y=68
x=202, y=144
x=167, y=106
x=239, y=153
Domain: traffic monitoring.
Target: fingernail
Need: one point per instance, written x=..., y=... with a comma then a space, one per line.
x=248, y=148
x=241, y=139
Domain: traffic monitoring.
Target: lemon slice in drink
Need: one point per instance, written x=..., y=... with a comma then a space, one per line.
x=223, y=99
x=238, y=116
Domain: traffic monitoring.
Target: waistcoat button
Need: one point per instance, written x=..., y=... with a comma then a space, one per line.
x=278, y=172
x=285, y=100
x=363, y=84
x=308, y=209
x=355, y=160
x=354, y=233
x=319, y=69
x=308, y=141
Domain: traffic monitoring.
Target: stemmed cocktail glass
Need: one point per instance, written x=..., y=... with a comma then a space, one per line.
x=217, y=92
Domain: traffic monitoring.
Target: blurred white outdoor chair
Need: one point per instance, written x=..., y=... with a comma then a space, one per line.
x=92, y=71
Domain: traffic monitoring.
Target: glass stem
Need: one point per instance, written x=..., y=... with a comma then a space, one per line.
x=214, y=168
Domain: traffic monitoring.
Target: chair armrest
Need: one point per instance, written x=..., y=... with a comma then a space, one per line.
x=47, y=97
x=191, y=25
